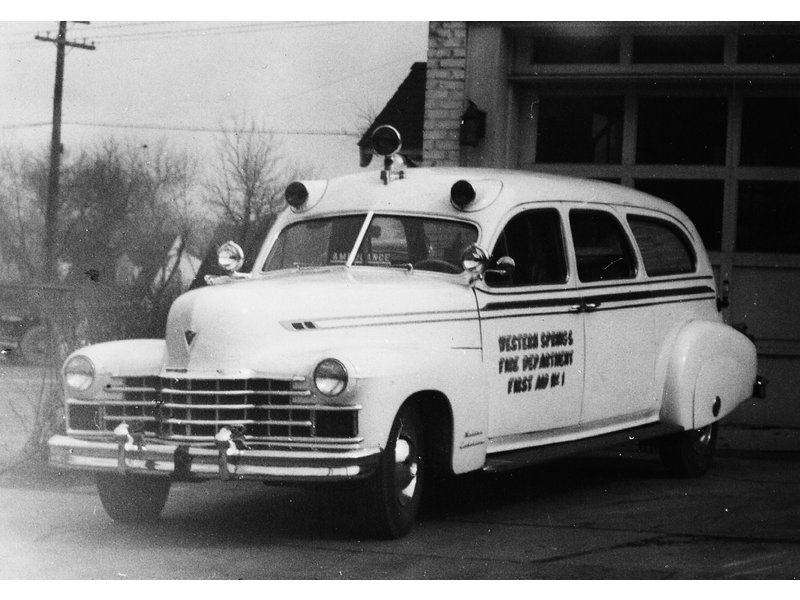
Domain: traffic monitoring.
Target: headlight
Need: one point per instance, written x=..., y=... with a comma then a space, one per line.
x=79, y=373
x=330, y=377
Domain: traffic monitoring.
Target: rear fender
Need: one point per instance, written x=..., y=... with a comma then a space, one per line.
x=710, y=371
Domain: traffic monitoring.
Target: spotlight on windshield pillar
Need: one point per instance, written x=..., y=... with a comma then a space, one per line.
x=296, y=194
x=462, y=194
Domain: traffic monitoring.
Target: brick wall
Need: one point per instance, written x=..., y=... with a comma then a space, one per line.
x=444, y=92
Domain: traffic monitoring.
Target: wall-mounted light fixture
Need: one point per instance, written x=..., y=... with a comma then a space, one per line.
x=473, y=125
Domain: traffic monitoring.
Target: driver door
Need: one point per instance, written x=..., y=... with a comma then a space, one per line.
x=532, y=331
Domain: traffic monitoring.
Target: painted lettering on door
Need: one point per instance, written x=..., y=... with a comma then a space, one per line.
x=536, y=361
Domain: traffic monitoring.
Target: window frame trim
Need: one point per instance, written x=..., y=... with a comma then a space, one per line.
x=683, y=235
x=613, y=210
x=569, y=259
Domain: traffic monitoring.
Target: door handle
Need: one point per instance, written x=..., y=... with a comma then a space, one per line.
x=584, y=307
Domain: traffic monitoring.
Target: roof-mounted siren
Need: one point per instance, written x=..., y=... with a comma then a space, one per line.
x=386, y=142
x=471, y=196
x=462, y=194
x=303, y=195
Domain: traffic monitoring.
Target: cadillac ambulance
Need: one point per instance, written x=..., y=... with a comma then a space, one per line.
x=401, y=328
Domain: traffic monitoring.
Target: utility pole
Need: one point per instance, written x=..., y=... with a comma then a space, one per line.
x=51, y=210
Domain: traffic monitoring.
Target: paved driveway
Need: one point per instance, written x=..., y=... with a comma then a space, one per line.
x=600, y=516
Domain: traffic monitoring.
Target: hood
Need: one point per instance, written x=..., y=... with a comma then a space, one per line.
x=258, y=325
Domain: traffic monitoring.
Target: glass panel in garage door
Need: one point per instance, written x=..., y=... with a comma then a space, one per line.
x=771, y=131
x=579, y=129
x=769, y=214
x=678, y=130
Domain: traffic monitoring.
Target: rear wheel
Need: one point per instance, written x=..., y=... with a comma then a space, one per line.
x=132, y=498
x=393, y=494
x=689, y=453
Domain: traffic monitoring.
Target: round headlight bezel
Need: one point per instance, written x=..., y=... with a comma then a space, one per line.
x=330, y=377
x=79, y=373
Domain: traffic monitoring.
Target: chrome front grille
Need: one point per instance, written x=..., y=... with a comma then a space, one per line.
x=273, y=411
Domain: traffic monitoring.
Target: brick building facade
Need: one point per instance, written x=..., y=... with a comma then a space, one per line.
x=444, y=93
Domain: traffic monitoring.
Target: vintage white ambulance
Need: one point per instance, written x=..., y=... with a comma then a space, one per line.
x=403, y=328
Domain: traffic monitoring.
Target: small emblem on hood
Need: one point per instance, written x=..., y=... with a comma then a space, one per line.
x=189, y=335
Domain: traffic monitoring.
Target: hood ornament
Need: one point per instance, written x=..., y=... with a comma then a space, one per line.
x=189, y=336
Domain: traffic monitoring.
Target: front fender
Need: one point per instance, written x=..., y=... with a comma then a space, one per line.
x=129, y=357
x=132, y=358
x=387, y=376
x=710, y=371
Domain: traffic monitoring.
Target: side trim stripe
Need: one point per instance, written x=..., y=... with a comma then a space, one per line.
x=598, y=298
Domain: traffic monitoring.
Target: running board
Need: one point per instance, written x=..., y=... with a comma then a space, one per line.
x=513, y=459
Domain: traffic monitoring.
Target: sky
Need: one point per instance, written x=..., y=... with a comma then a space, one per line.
x=180, y=82
x=155, y=77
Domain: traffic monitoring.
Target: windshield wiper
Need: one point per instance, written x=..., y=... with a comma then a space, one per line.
x=407, y=266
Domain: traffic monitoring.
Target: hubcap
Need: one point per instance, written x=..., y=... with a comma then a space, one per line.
x=405, y=467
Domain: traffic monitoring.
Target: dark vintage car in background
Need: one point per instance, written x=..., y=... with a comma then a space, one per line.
x=24, y=333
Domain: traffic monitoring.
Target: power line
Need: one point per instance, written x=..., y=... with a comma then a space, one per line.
x=209, y=31
x=25, y=125
x=126, y=24
x=189, y=128
x=346, y=77
x=205, y=30
x=331, y=132
x=27, y=33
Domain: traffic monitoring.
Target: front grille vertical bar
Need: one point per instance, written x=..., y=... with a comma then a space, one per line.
x=217, y=399
x=268, y=403
x=247, y=387
x=188, y=416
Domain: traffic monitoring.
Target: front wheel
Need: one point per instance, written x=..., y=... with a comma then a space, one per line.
x=132, y=498
x=689, y=453
x=393, y=494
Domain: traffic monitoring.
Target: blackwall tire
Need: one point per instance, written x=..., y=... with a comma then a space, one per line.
x=132, y=498
x=689, y=453
x=393, y=494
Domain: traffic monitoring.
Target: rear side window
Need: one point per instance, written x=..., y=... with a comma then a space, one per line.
x=665, y=249
x=602, y=249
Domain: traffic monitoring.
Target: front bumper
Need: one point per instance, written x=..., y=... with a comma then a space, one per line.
x=184, y=462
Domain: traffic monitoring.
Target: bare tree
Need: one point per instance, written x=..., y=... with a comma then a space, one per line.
x=250, y=177
x=245, y=183
x=23, y=187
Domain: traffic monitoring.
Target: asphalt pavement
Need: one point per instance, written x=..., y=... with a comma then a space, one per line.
x=602, y=516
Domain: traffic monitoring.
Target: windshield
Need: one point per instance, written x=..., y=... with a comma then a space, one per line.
x=419, y=242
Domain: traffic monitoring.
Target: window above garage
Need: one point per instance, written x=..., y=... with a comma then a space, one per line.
x=718, y=51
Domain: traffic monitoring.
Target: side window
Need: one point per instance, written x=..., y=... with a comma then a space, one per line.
x=665, y=249
x=602, y=249
x=535, y=242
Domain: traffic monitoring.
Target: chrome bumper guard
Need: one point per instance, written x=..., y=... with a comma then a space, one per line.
x=227, y=461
